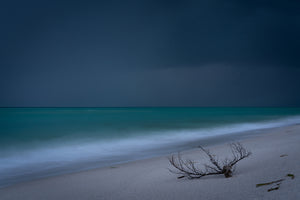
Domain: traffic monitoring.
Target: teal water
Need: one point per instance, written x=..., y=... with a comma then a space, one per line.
x=37, y=142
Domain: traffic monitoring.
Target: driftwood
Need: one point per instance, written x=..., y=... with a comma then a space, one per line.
x=187, y=168
x=275, y=184
x=269, y=183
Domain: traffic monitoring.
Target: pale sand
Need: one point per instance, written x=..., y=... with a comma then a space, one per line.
x=150, y=179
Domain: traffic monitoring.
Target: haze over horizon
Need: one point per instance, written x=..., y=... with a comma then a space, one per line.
x=149, y=53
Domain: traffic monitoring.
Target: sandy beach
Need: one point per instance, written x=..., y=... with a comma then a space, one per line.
x=275, y=153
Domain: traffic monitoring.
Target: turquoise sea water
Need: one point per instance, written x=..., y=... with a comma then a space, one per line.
x=38, y=142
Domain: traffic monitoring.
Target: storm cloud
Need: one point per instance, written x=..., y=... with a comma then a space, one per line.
x=150, y=53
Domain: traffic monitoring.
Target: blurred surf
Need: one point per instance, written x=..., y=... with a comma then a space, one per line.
x=40, y=142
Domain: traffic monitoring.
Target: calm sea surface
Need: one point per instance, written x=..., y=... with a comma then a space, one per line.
x=39, y=142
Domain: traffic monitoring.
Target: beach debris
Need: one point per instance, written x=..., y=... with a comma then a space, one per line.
x=283, y=155
x=276, y=184
x=274, y=188
x=269, y=183
x=291, y=175
x=188, y=168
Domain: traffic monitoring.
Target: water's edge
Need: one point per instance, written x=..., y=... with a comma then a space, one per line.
x=186, y=146
x=42, y=142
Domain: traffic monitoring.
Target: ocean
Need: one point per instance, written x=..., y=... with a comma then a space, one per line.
x=41, y=142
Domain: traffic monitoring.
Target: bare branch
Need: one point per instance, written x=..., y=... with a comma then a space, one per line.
x=239, y=153
x=187, y=168
x=211, y=158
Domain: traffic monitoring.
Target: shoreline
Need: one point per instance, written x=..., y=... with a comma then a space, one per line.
x=156, y=153
x=150, y=179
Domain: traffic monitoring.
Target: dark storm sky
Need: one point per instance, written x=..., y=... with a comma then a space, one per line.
x=150, y=53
